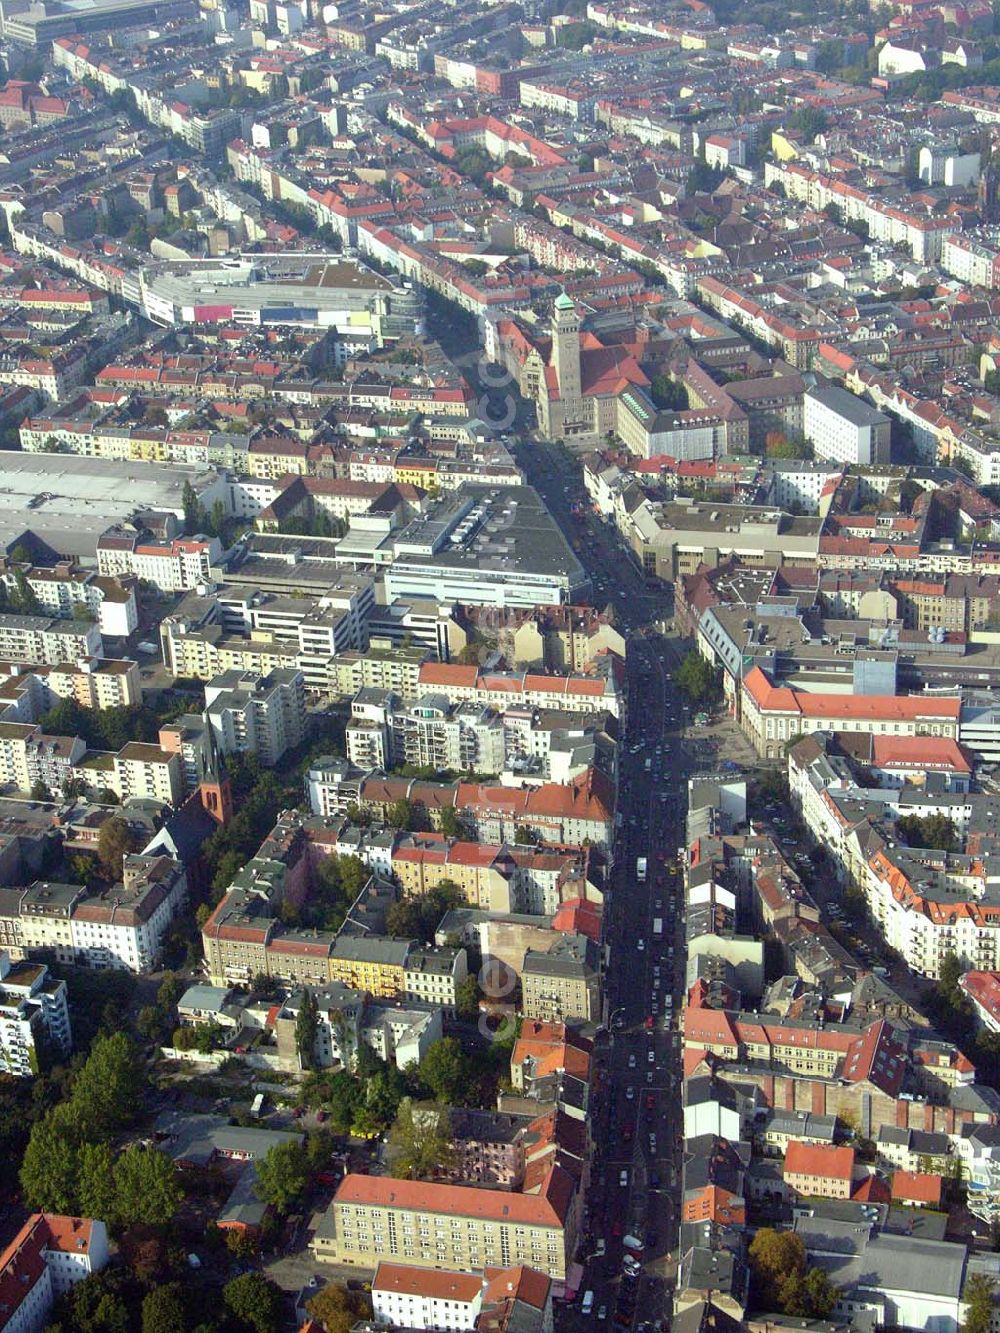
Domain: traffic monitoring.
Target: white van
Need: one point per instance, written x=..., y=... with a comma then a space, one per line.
x=587, y=1304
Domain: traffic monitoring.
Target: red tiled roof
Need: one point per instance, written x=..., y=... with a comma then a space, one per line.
x=523, y=1284
x=873, y=1189
x=916, y=1187
x=23, y=1261
x=549, y=1208
x=440, y=1286
x=937, y=752
x=984, y=989
x=817, y=1159
x=774, y=698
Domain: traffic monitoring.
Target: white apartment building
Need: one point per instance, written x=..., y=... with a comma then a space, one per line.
x=94, y=682
x=434, y=975
x=125, y=929
x=844, y=428
x=28, y=756
x=409, y=1297
x=147, y=772
x=383, y=733
x=28, y=692
x=925, y=903
x=801, y=484
x=504, y=690
x=41, y=639
x=44, y=1260
x=259, y=715
x=170, y=566
x=971, y=258
x=62, y=588
x=33, y=1012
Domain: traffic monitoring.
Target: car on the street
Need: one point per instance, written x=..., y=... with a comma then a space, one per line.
x=623, y=1178
x=631, y=1060
x=629, y=1093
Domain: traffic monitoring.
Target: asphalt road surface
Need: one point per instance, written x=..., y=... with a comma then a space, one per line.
x=638, y=1120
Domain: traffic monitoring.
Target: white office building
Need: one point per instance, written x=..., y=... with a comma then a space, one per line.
x=259, y=715
x=844, y=428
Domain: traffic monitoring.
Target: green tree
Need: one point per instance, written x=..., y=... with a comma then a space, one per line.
x=194, y=513
x=667, y=394
x=95, y=1182
x=420, y=1141
x=449, y=823
x=147, y=1254
x=703, y=179
x=399, y=815
x=932, y=831
x=169, y=992
x=575, y=36
x=821, y=1294
x=255, y=1301
x=107, y=1093
x=51, y=1161
x=242, y=1245
x=949, y=972
x=404, y=919
x=343, y=1099
x=774, y=1257
x=782, y=447
x=829, y=56
x=146, y=1187
x=282, y=1176
x=184, y=1038
x=338, y=1309
x=97, y=1304
x=150, y=1023
x=697, y=679
x=808, y=121
x=445, y=1070
x=114, y=842
x=978, y=1298
x=40, y=792
x=384, y=1088
x=319, y=1150
x=23, y=599
x=467, y=999
x=163, y=1310
x=306, y=1027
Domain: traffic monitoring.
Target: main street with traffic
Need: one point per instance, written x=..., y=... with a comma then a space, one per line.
x=634, y=1201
